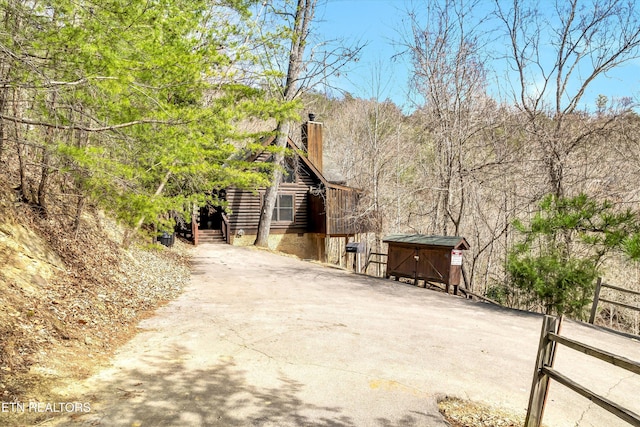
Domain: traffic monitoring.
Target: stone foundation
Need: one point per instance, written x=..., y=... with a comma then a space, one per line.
x=305, y=246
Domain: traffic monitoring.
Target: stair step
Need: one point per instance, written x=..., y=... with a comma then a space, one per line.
x=211, y=236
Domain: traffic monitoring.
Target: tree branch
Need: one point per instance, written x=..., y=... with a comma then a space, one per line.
x=87, y=128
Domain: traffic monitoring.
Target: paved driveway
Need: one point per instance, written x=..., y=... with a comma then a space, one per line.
x=261, y=339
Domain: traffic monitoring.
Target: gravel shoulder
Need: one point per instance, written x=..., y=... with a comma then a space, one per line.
x=68, y=300
x=262, y=339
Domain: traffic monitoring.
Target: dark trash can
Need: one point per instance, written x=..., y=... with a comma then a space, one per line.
x=167, y=239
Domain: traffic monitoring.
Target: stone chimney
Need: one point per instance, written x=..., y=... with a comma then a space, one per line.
x=312, y=141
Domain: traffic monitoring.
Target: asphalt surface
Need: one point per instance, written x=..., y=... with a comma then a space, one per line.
x=259, y=339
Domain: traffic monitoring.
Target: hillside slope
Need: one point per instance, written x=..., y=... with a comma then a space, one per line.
x=68, y=299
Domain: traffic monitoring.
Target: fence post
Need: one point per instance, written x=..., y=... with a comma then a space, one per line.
x=596, y=299
x=540, y=383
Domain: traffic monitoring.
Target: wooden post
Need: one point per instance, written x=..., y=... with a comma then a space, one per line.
x=355, y=262
x=455, y=270
x=194, y=229
x=327, y=248
x=359, y=254
x=596, y=299
x=540, y=384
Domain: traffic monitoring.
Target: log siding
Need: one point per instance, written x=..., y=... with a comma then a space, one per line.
x=320, y=207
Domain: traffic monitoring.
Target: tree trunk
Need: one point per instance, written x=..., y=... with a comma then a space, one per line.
x=3, y=105
x=128, y=236
x=303, y=17
x=22, y=167
x=271, y=193
x=76, y=222
x=44, y=178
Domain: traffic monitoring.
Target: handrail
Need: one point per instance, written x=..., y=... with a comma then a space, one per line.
x=370, y=261
x=621, y=362
x=225, y=228
x=618, y=288
x=623, y=413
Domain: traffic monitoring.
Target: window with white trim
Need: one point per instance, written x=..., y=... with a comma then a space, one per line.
x=284, y=209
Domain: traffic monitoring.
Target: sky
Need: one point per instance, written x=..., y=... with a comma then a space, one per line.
x=379, y=24
x=376, y=23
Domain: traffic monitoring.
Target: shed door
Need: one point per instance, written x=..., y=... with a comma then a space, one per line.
x=433, y=264
x=402, y=261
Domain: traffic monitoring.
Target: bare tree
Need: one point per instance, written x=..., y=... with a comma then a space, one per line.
x=370, y=142
x=303, y=16
x=449, y=75
x=458, y=146
x=584, y=42
x=302, y=73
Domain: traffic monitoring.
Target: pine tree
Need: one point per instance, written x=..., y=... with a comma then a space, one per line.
x=137, y=104
x=559, y=259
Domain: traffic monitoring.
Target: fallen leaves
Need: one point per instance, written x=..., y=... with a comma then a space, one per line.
x=88, y=307
x=464, y=413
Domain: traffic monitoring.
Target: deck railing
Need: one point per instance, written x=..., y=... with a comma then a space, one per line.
x=375, y=258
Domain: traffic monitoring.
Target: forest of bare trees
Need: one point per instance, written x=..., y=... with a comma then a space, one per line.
x=535, y=180
x=394, y=158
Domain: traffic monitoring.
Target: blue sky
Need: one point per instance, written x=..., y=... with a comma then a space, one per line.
x=376, y=23
x=379, y=23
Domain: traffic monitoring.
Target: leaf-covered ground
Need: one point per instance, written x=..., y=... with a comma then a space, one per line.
x=464, y=413
x=68, y=300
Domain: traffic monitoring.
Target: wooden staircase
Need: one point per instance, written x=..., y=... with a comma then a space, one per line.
x=210, y=236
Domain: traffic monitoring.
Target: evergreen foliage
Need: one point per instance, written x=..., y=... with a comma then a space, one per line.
x=135, y=102
x=557, y=263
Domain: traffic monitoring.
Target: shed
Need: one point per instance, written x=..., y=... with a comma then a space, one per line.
x=428, y=258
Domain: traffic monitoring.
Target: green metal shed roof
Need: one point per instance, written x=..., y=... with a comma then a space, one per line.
x=422, y=239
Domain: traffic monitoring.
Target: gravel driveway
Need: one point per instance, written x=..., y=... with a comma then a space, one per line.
x=266, y=340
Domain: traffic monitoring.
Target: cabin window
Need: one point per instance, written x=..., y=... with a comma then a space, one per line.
x=289, y=173
x=289, y=170
x=283, y=211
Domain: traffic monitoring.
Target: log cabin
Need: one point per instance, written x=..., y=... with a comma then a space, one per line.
x=310, y=209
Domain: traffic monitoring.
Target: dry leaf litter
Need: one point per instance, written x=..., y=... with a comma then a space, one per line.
x=67, y=301
x=464, y=413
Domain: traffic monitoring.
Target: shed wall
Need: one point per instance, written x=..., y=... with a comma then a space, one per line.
x=431, y=263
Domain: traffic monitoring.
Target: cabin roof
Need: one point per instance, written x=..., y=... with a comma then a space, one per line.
x=319, y=175
x=455, y=242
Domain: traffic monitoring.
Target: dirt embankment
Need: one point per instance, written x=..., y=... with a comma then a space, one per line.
x=67, y=300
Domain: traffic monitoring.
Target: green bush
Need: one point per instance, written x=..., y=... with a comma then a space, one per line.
x=559, y=259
